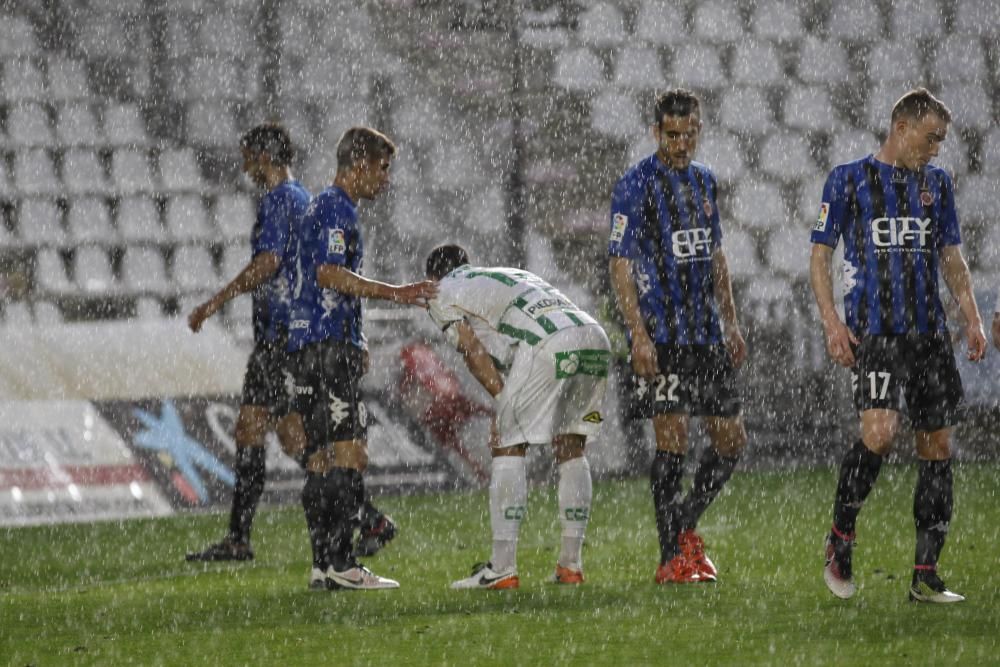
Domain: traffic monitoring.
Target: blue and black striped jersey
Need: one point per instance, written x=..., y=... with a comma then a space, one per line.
x=667, y=222
x=893, y=222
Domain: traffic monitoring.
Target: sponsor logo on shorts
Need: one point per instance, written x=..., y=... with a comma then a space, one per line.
x=619, y=223
x=582, y=362
x=593, y=417
x=338, y=409
x=299, y=324
x=824, y=213
x=335, y=244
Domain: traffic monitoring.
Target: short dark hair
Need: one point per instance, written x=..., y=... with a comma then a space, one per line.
x=444, y=259
x=918, y=103
x=270, y=138
x=675, y=102
x=362, y=144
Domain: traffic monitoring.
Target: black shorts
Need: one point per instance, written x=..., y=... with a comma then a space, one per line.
x=698, y=380
x=919, y=368
x=264, y=383
x=327, y=392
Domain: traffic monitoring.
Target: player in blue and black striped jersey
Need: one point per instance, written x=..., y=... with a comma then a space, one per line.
x=896, y=216
x=329, y=354
x=671, y=278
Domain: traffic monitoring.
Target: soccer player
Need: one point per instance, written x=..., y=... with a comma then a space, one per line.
x=328, y=352
x=996, y=322
x=555, y=361
x=671, y=279
x=896, y=215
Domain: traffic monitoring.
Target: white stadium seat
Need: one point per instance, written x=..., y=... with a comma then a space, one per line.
x=822, y=62
x=848, y=145
x=193, y=269
x=187, y=219
x=144, y=271
x=139, y=221
x=745, y=109
x=809, y=196
x=83, y=172
x=661, y=22
x=721, y=151
x=959, y=58
x=756, y=63
x=35, y=173
x=124, y=125
x=22, y=80
x=700, y=67
x=130, y=171
x=717, y=21
x=954, y=155
x=234, y=216
x=989, y=157
x=971, y=105
x=786, y=155
x=639, y=69
x=915, y=20
x=976, y=197
x=76, y=125
x=977, y=17
x=778, y=20
x=810, y=108
x=89, y=221
x=234, y=259
x=67, y=80
x=50, y=272
x=28, y=126
x=179, y=170
x=148, y=308
x=759, y=204
x=601, y=26
x=741, y=254
x=854, y=20
x=226, y=32
x=39, y=222
x=579, y=70
x=48, y=313
x=210, y=124
x=92, y=271
x=615, y=115
x=17, y=314
x=889, y=65
x=788, y=250
x=17, y=37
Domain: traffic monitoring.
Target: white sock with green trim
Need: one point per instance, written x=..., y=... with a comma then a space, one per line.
x=508, y=501
x=575, y=493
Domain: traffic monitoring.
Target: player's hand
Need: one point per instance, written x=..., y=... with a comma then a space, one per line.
x=416, y=294
x=976, y=339
x=199, y=315
x=838, y=342
x=737, y=346
x=644, y=361
x=996, y=330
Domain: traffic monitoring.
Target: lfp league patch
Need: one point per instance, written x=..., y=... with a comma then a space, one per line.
x=824, y=213
x=335, y=244
x=618, y=224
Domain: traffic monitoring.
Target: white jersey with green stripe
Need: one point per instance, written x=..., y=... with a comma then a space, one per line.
x=514, y=303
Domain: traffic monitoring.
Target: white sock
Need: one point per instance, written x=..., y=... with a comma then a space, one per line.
x=508, y=500
x=575, y=493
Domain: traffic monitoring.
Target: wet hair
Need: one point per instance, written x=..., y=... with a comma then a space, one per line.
x=270, y=138
x=362, y=144
x=675, y=102
x=444, y=259
x=918, y=103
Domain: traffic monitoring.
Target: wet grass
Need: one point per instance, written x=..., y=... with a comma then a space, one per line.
x=119, y=594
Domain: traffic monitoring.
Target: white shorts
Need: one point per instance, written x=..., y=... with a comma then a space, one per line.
x=555, y=388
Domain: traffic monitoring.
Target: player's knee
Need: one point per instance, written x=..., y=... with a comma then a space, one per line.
x=934, y=446
x=567, y=448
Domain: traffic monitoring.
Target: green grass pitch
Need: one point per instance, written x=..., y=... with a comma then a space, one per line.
x=121, y=593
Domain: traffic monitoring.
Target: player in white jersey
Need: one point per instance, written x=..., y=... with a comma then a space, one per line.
x=996, y=322
x=547, y=373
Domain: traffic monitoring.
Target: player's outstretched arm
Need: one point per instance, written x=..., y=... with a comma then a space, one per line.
x=723, y=286
x=478, y=359
x=644, y=361
x=260, y=269
x=956, y=276
x=346, y=281
x=838, y=337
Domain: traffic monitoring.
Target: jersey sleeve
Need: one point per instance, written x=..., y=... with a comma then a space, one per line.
x=950, y=232
x=274, y=214
x=832, y=210
x=338, y=233
x=626, y=217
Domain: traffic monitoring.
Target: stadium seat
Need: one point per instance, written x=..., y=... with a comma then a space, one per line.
x=455, y=166
x=139, y=221
x=39, y=222
x=210, y=124
x=220, y=78
x=757, y=63
x=741, y=254
x=179, y=170
x=638, y=69
x=194, y=269
x=615, y=115
x=148, y=308
x=976, y=197
x=187, y=219
x=486, y=211
x=758, y=203
x=144, y=271
x=50, y=273
x=83, y=173
x=234, y=259
x=298, y=35
x=777, y=20
x=788, y=250
x=28, y=125
x=124, y=126
x=340, y=114
x=239, y=315
x=888, y=65
x=105, y=34
x=601, y=26
x=989, y=156
x=89, y=221
x=820, y=61
x=316, y=80
x=959, y=58
x=745, y=109
x=971, y=106
x=130, y=171
x=809, y=195
x=92, y=271
x=857, y=20
x=645, y=146
x=916, y=20
x=954, y=155
x=717, y=22
x=48, y=313
x=977, y=17
x=786, y=155
x=579, y=70
x=234, y=216
x=810, y=108
x=35, y=173
x=226, y=32
x=22, y=81
x=700, y=67
x=67, y=80
x=719, y=150
x=17, y=314
x=547, y=38
x=76, y=125
x=660, y=22
x=847, y=145
x=17, y=37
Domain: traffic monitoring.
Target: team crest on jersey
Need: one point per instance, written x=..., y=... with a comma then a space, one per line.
x=824, y=213
x=335, y=244
x=593, y=417
x=926, y=198
x=706, y=206
x=618, y=224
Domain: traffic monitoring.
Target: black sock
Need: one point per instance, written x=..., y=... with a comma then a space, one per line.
x=318, y=512
x=858, y=473
x=345, y=490
x=665, y=482
x=712, y=474
x=250, y=474
x=932, y=503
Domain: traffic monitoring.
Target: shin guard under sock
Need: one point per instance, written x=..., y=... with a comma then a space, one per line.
x=250, y=474
x=932, y=505
x=858, y=472
x=713, y=472
x=665, y=483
